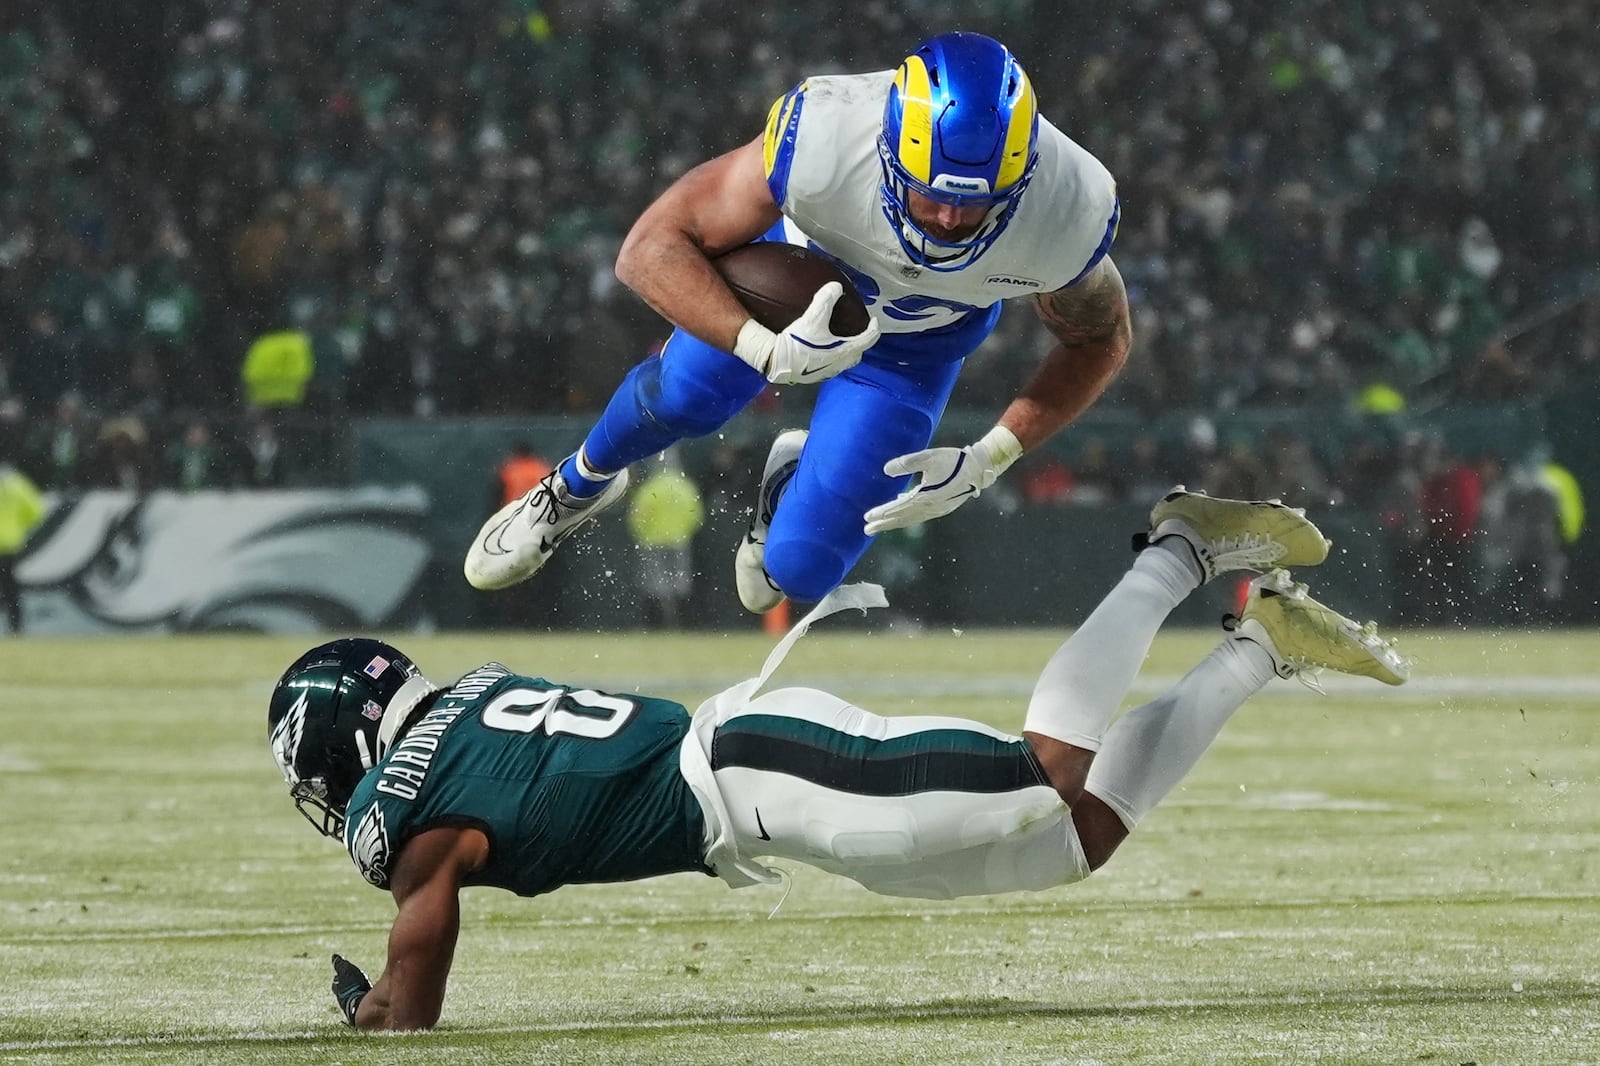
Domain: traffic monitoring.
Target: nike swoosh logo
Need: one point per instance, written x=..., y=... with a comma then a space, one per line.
x=817, y=347
x=548, y=544
x=491, y=540
x=761, y=829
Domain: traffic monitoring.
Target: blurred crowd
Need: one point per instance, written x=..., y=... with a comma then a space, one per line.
x=1470, y=533
x=1323, y=195
x=1317, y=195
x=70, y=448
x=1326, y=203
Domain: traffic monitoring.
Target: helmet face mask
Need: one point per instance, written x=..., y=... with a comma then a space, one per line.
x=960, y=127
x=331, y=718
x=311, y=800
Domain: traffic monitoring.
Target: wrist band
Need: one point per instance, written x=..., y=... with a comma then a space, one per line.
x=1002, y=447
x=755, y=344
x=349, y=1007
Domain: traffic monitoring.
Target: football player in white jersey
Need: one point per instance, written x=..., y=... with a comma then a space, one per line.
x=941, y=193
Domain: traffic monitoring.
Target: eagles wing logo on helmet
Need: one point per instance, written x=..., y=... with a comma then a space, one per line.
x=369, y=846
x=287, y=735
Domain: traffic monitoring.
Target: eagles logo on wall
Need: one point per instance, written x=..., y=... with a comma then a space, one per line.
x=271, y=562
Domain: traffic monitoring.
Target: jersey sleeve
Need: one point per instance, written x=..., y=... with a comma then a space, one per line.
x=1072, y=209
x=367, y=837
x=1109, y=238
x=777, y=153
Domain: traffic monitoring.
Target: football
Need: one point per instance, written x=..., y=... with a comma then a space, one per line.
x=775, y=282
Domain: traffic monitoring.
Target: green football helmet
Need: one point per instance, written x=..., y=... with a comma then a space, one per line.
x=333, y=716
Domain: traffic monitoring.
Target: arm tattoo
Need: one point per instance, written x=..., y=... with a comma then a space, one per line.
x=1093, y=311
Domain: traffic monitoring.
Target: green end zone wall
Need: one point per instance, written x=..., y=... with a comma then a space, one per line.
x=982, y=566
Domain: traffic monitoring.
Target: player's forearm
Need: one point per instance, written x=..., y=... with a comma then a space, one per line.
x=718, y=205
x=389, y=1007
x=1071, y=380
x=674, y=277
x=1090, y=322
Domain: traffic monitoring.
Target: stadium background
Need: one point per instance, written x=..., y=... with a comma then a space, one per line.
x=1360, y=242
x=426, y=195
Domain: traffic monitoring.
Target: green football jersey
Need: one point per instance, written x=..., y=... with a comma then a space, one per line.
x=570, y=785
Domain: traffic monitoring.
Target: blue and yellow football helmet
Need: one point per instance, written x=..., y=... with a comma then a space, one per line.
x=960, y=127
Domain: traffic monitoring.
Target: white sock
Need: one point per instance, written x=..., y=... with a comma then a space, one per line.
x=587, y=472
x=1085, y=681
x=583, y=481
x=1154, y=746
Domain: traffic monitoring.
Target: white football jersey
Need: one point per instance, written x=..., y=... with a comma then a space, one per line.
x=821, y=158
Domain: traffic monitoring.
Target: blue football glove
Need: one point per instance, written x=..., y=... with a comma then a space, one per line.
x=350, y=987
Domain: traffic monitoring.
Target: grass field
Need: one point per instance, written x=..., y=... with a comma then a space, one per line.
x=1372, y=876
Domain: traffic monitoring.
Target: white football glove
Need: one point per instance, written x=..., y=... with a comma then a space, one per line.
x=807, y=350
x=946, y=479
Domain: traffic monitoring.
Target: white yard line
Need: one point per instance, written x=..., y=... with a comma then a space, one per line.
x=1119, y=906
x=808, y=1020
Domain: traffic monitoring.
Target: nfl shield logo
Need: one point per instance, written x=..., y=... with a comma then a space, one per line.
x=376, y=667
x=371, y=711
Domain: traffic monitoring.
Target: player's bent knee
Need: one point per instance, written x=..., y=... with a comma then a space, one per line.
x=1100, y=830
x=804, y=570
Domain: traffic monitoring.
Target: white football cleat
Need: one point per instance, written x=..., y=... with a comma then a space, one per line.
x=756, y=590
x=522, y=535
x=1229, y=535
x=1305, y=637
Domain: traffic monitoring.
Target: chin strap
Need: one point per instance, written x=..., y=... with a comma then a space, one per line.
x=411, y=692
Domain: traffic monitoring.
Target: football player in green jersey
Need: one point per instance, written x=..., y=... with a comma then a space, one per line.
x=520, y=783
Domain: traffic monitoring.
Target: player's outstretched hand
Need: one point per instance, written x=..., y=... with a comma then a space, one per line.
x=946, y=478
x=350, y=987
x=807, y=351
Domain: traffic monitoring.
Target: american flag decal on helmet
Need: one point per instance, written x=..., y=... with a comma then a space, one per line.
x=376, y=667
